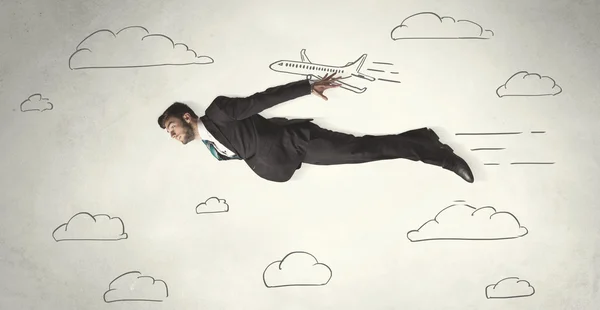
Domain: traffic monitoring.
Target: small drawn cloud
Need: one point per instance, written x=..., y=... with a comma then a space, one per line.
x=36, y=102
x=132, y=286
x=132, y=46
x=428, y=25
x=510, y=287
x=464, y=222
x=84, y=226
x=212, y=205
x=296, y=269
x=524, y=83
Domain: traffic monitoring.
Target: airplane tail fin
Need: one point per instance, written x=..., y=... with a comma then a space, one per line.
x=357, y=65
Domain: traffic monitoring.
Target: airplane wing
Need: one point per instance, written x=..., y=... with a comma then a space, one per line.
x=344, y=85
x=363, y=76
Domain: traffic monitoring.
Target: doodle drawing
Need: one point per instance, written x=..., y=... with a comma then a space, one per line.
x=132, y=47
x=212, y=205
x=429, y=25
x=511, y=287
x=313, y=70
x=296, y=269
x=133, y=286
x=87, y=227
x=478, y=149
x=527, y=84
x=463, y=222
x=36, y=102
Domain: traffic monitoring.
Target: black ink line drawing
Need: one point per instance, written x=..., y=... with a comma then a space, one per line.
x=296, y=269
x=525, y=84
x=429, y=25
x=487, y=133
x=511, y=287
x=464, y=222
x=133, y=286
x=488, y=149
x=522, y=163
x=532, y=163
x=84, y=226
x=387, y=80
x=36, y=102
x=383, y=71
x=538, y=131
x=212, y=205
x=316, y=71
x=132, y=47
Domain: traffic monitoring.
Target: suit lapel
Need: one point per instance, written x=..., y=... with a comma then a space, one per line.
x=214, y=130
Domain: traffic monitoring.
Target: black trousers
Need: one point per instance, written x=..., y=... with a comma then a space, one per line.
x=327, y=147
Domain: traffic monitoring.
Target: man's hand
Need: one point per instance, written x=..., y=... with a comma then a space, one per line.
x=321, y=85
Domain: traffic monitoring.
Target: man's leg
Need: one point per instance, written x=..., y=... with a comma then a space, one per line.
x=328, y=147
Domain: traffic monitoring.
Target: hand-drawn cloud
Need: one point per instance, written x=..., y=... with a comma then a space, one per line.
x=524, y=83
x=428, y=25
x=132, y=286
x=212, y=205
x=36, y=102
x=510, y=287
x=132, y=47
x=84, y=226
x=296, y=269
x=464, y=222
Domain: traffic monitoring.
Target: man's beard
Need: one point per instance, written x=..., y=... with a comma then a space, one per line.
x=188, y=134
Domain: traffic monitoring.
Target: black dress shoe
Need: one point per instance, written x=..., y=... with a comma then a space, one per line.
x=436, y=139
x=458, y=165
x=452, y=161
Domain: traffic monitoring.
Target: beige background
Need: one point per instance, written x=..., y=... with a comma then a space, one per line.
x=100, y=150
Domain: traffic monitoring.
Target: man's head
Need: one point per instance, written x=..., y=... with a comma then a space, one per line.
x=180, y=121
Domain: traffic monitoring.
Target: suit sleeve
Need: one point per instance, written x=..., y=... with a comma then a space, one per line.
x=241, y=108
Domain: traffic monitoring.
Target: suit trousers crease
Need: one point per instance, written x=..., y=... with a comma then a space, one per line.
x=327, y=147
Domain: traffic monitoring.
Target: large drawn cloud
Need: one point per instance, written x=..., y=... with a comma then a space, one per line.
x=84, y=226
x=132, y=286
x=296, y=269
x=464, y=222
x=36, y=102
x=132, y=46
x=212, y=205
x=429, y=25
x=511, y=287
x=524, y=83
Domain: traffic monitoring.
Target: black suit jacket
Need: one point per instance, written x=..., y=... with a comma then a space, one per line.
x=274, y=148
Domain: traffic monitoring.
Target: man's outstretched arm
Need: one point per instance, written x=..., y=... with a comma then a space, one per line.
x=244, y=107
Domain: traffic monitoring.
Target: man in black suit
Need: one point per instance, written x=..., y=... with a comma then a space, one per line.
x=275, y=148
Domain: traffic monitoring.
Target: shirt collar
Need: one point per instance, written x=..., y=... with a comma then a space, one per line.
x=204, y=134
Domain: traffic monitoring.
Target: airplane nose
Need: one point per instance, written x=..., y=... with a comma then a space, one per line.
x=274, y=65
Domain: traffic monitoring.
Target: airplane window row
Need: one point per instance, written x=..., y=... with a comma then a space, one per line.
x=313, y=68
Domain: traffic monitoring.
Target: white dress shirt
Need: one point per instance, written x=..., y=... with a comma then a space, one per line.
x=205, y=135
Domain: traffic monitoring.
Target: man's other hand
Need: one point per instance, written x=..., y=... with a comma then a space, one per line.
x=328, y=81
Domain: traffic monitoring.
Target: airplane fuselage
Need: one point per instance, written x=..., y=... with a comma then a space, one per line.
x=307, y=69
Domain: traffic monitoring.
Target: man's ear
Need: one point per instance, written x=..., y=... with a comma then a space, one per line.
x=187, y=118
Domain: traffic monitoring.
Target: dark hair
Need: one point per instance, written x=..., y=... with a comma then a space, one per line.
x=177, y=109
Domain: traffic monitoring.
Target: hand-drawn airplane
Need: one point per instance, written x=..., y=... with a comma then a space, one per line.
x=310, y=69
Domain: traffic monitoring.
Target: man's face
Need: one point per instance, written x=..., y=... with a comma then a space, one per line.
x=179, y=130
